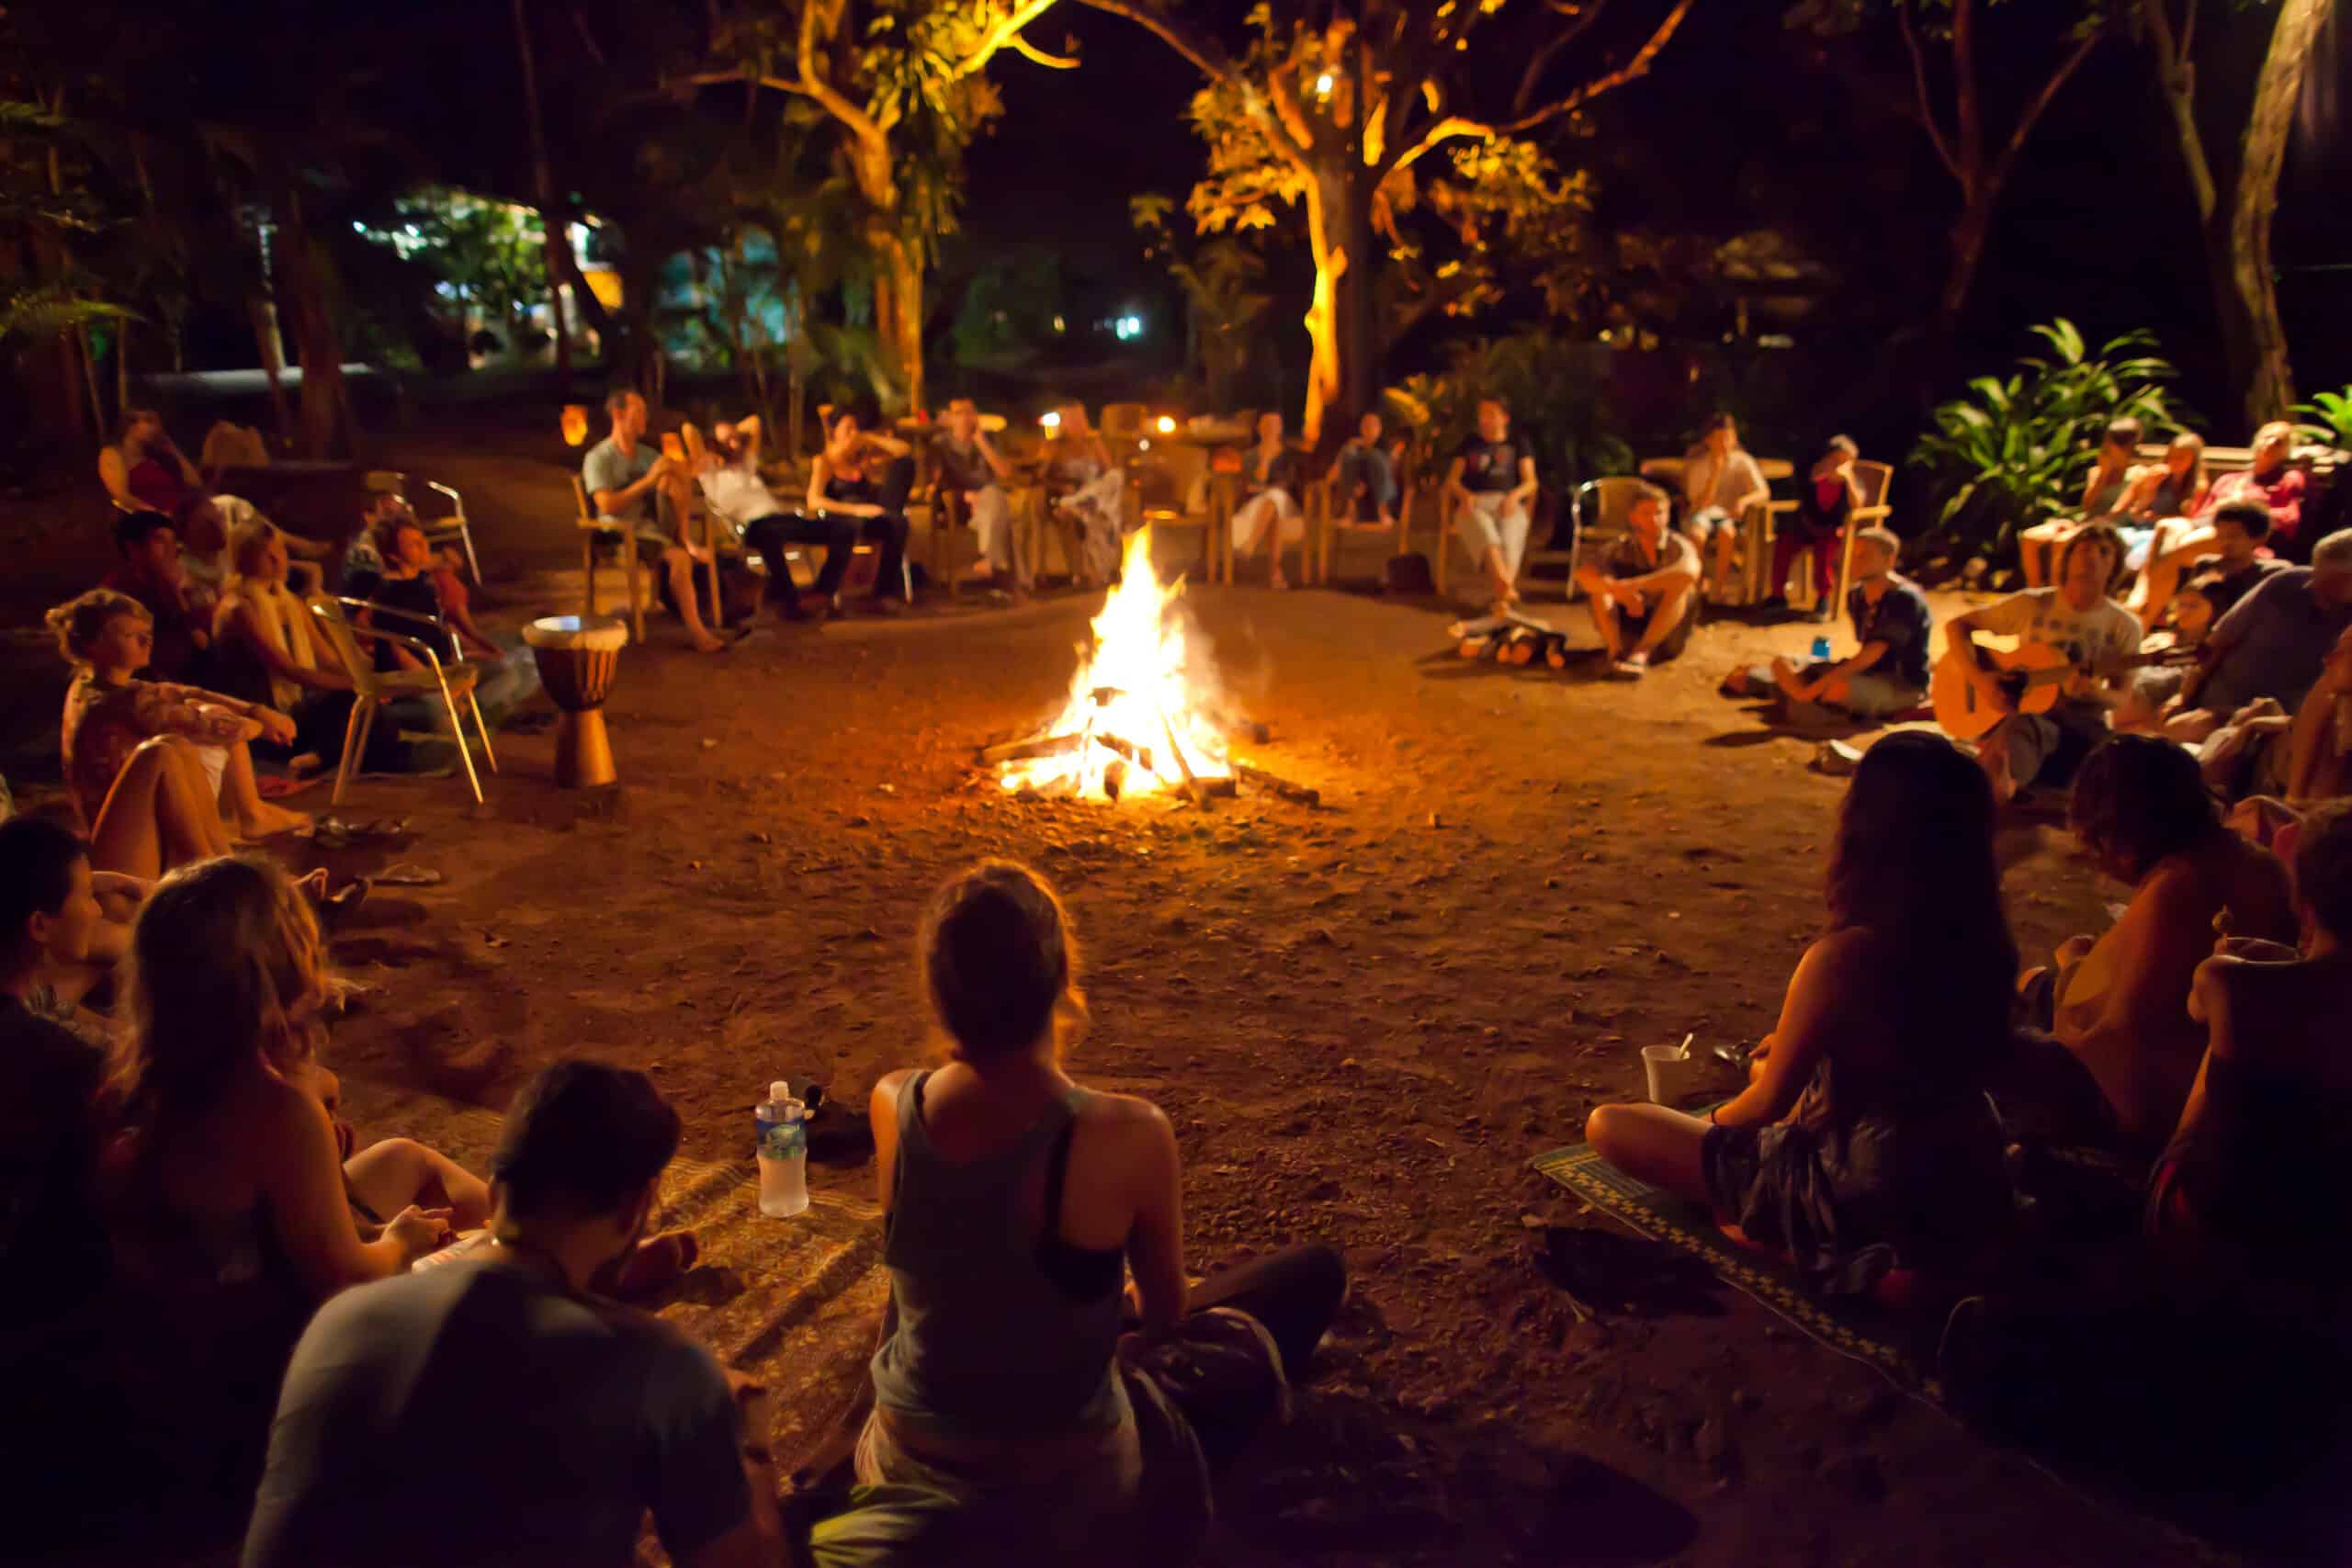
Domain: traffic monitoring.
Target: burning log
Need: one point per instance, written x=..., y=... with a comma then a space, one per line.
x=1035, y=746
x=1258, y=778
x=1114, y=778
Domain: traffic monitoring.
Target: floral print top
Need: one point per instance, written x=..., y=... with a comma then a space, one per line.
x=103, y=724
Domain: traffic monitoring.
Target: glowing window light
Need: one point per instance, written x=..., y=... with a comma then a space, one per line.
x=1127, y=328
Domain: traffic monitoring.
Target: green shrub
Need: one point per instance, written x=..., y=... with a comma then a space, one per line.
x=2329, y=415
x=1558, y=395
x=2015, y=452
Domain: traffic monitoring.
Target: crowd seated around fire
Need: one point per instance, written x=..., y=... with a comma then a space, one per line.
x=280, y=1321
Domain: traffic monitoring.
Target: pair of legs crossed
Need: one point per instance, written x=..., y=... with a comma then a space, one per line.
x=1493, y=527
x=1659, y=634
x=1271, y=514
x=768, y=538
x=164, y=811
x=993, y=522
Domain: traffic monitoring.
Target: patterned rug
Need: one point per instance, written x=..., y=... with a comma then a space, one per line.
x=1900, y=1349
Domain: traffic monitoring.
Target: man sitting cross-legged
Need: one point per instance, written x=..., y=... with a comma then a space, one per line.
x=626, y=479
x=969, y=467
x=564, y=1416
x=1641, y=590
x=2093, y=631
x=1886, y=673
x=728, y=474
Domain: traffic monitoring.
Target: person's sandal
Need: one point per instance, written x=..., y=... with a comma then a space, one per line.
x=1633, y=666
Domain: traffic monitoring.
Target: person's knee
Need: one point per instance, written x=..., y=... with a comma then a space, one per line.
x=1603, y=1129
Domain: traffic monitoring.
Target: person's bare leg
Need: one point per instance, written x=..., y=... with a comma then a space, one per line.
x=2160, y=580
x=1664, y=619
x=1652, y=1144
x=681, y=568
x=150, y=821
x=242, y=807
x=1992, y=756
x=390, y=1175
x=1605, y=620
x=212, y=831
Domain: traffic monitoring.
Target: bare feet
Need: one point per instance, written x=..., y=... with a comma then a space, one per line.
x=1279, y=580
x=267, y=821
x=708, y=644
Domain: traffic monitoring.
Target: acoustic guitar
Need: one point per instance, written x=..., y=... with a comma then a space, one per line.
x=2032, y=678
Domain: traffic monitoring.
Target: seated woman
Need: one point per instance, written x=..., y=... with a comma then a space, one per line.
x=1275, y=477
x=2040, y=546
x=234, y=1212
x=2262, y=1144
x=1015, y=1201
x=144, y=470
x=1864, y=1144
x=867, y=475
x=1090, y=488
x=2120, y=1002
x=162, y=773
x=269, y=652
x=408, y=585
x=1829, y=496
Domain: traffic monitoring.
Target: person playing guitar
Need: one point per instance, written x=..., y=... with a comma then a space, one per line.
x=2096, y=636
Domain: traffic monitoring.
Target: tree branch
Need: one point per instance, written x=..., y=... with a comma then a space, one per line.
x=814, y=84
x=1453, y=126
x=1205, y=53
x=1966, y=97
x=2033, y=111
x=1006, y=34
x=2177, y=82
x=1927, y=101
x=1579, y=18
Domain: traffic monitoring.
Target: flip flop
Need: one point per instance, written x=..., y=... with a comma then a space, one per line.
x=410, y=875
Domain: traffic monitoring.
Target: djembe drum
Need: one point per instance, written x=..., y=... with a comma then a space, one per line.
x=577, y=656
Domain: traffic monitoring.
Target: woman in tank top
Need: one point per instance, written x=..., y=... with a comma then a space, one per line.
x=1015, y=1203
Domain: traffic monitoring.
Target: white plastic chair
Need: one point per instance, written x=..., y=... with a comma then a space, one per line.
x=372, y=688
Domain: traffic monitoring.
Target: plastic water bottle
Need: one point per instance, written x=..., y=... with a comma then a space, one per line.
x=781, y=1122
x=1820, y=649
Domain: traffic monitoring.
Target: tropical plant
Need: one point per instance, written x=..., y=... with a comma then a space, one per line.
x=2329, y=416
x=2011, y=455
x=1556, y=393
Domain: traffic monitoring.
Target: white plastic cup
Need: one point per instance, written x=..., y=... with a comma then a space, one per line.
x=1668, y=1068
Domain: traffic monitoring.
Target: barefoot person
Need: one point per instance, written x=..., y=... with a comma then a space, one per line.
x=2040, y=548
x=2257, y=1156
x=1492, y=482
x=969, y=467
x=1274, y=475
x=1887, y=672
x=1721, y=480
x=1015, y=1203
x=1364, y=476
x=270, y=652
x=162, y=773
x=1864, y=1143
x=728, y=474
x=576, y=1417
x=2120, y=1001
x=1642, y=592
x=1824, y=501
x=2095, y=633
x=628, y=481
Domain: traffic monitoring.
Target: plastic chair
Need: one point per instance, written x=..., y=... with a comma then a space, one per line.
x=1598, y=511
x=595, y=530
x=372, y=688
x=387, y=482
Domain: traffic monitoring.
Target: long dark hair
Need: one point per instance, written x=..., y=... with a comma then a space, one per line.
x=1914, y=863
x=999, y=962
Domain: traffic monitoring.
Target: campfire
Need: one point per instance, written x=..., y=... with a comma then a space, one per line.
x=1144, y=716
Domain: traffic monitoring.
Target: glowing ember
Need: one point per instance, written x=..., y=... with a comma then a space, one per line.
x=1134, y=703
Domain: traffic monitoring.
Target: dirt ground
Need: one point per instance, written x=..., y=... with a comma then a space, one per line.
x=1364, y=1019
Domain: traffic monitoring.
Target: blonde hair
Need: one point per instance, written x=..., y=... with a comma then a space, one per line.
x=227, y=962
x=246, y=541
x=79, y=623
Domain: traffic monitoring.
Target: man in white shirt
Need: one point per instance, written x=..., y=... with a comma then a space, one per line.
x=2095, y=633
x=729, y=476
x=1720, y=482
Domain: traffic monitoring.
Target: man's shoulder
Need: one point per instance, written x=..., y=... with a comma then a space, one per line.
x=37, y=1048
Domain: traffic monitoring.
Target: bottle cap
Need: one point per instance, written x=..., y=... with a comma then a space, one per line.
x=779, y=1091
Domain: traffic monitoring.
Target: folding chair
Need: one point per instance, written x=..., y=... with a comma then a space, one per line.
x=372, y=688
x=1596, y=514
x=594, y=531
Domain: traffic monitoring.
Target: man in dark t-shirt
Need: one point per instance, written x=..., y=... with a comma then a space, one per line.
x=2217, y=583
x=1640, y=591
x=1887, y=672
x=561, y=1417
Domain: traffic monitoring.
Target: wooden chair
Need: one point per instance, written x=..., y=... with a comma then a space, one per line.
x=389, y=481
x=690, y=440
x=949, y=519
x=1448, y=508
x=1324, y=524
x=372, y=688
x=594, y=531
x=1873, y=479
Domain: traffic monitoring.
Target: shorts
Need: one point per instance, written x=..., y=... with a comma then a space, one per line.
x=1633, y=629
x=2136, y=541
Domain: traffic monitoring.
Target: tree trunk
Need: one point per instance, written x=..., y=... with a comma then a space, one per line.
x=1968, y=238
x=2265, y=374
x=263, y=313
x=897, y=311
x=1325, y=202
x=327, y=417
x=550, y=222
